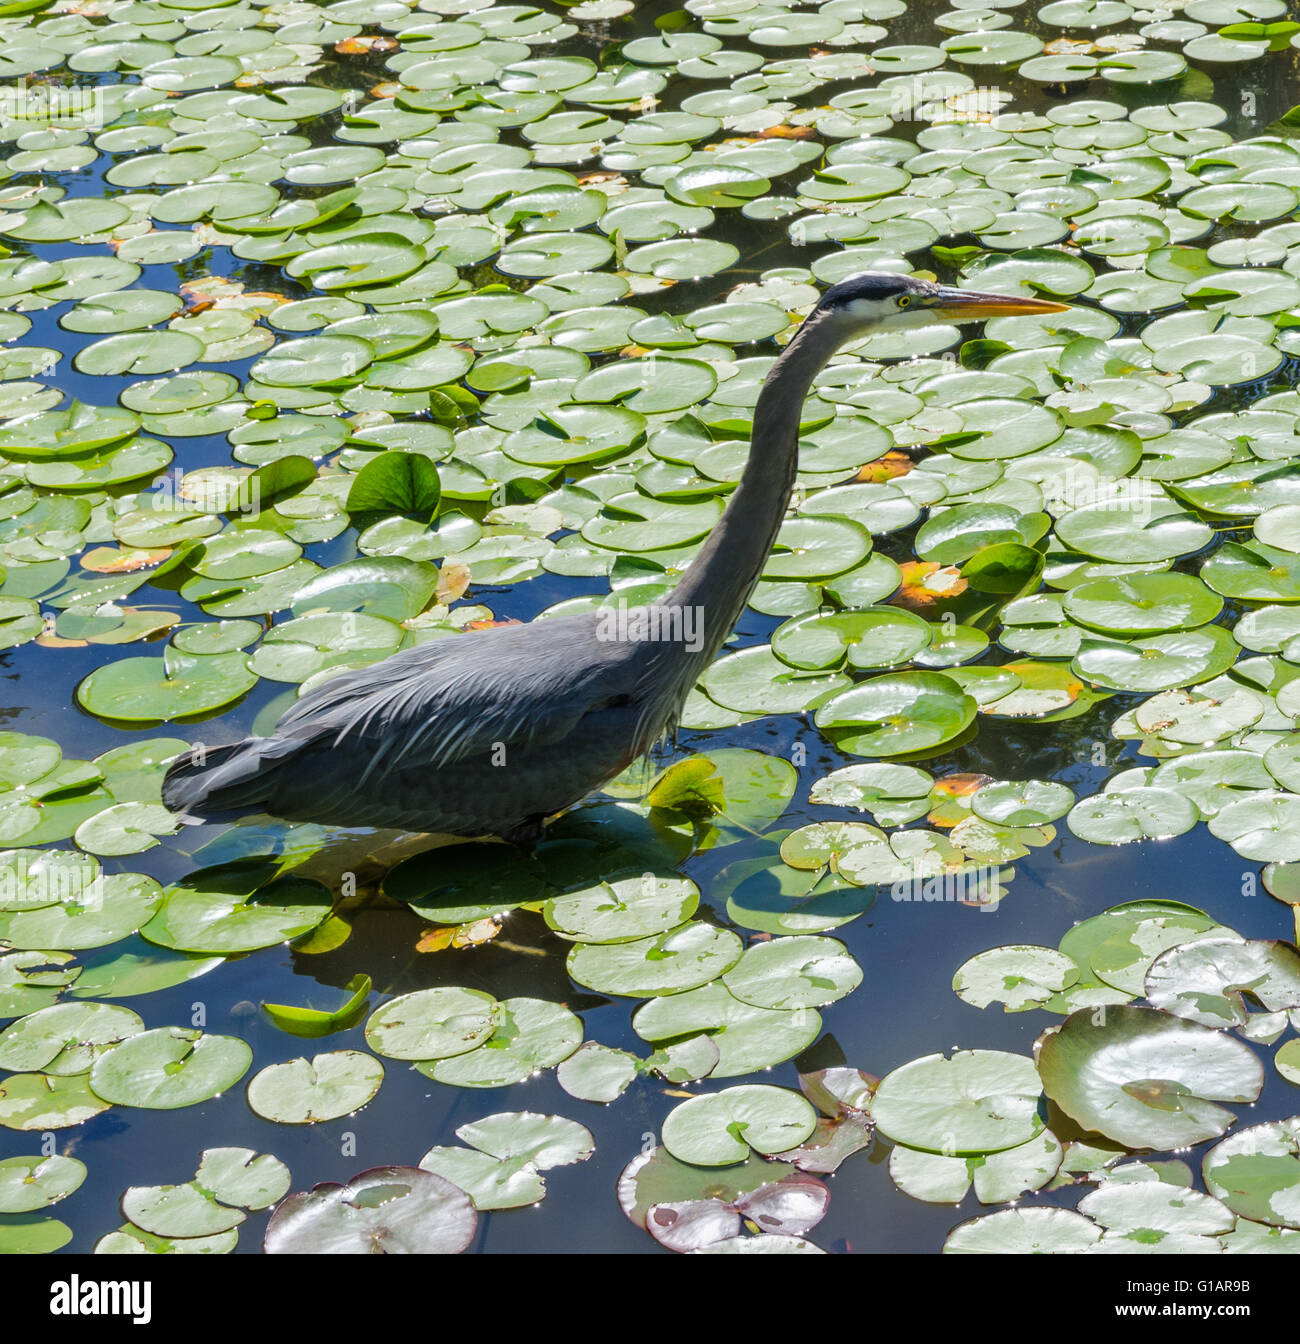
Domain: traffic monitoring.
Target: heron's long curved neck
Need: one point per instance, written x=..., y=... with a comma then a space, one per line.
x=722, y=576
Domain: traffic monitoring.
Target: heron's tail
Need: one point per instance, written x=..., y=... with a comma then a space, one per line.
x=217, y=783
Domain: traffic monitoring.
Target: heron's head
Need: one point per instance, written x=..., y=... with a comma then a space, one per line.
x=880, y=300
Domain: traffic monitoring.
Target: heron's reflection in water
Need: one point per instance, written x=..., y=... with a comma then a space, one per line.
x=393, y=887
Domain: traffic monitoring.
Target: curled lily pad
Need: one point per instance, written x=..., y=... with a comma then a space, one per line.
x=315, y=1022
x=657, y=1177
x=392, y=1210
x=780, y=1209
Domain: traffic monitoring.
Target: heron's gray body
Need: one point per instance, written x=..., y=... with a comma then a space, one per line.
x=486, y=733
x=490, y=733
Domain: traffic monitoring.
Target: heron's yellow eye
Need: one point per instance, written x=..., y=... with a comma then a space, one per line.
x=904, y=301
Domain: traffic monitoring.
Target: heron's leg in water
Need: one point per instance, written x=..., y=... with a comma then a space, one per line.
x=526, y=834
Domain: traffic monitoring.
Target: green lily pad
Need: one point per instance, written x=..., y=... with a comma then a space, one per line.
x=748, y=1038
x=595, y=1072
x=1125, y=815
x=1256, y=1173
x=308, y=1091
x=501, y=1168
x=432, y=1023
x=681, y=959
x=234, y=908
x=1031, y=1231
x=175, y=686
x=169, y=1067
x=622, y=909
x=897, y=714
x=531, y=1035
x=722, y=1128
x=1017, y=976
x=794, y=973
x=1203, y=980
x=1145, y=1078
x=976, y=1101
x=31, y=1183
x=65, y=1038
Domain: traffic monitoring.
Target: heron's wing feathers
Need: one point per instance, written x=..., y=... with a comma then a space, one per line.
x=459, y=697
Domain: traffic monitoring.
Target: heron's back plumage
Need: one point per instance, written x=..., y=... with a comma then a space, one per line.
x=473, y=734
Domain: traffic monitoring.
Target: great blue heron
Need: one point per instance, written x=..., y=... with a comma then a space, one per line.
x=491, y=733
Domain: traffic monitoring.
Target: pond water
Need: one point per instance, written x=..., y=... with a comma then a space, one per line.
x=1101, y=392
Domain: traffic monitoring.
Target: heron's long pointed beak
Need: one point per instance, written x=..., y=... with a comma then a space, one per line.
x=965, y=305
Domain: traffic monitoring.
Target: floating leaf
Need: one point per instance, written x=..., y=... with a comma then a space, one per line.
x=1145, y=1078
x=390, y=1210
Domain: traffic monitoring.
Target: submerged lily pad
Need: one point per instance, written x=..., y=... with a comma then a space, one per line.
x=1256, y=1173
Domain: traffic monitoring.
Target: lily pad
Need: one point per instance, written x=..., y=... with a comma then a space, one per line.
x=975, y=1101
x=389, y=1210
x=169, y=1067
x=1145, y=1078
x=722, y=1128
x=506, y=1154
x=308, y=1091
